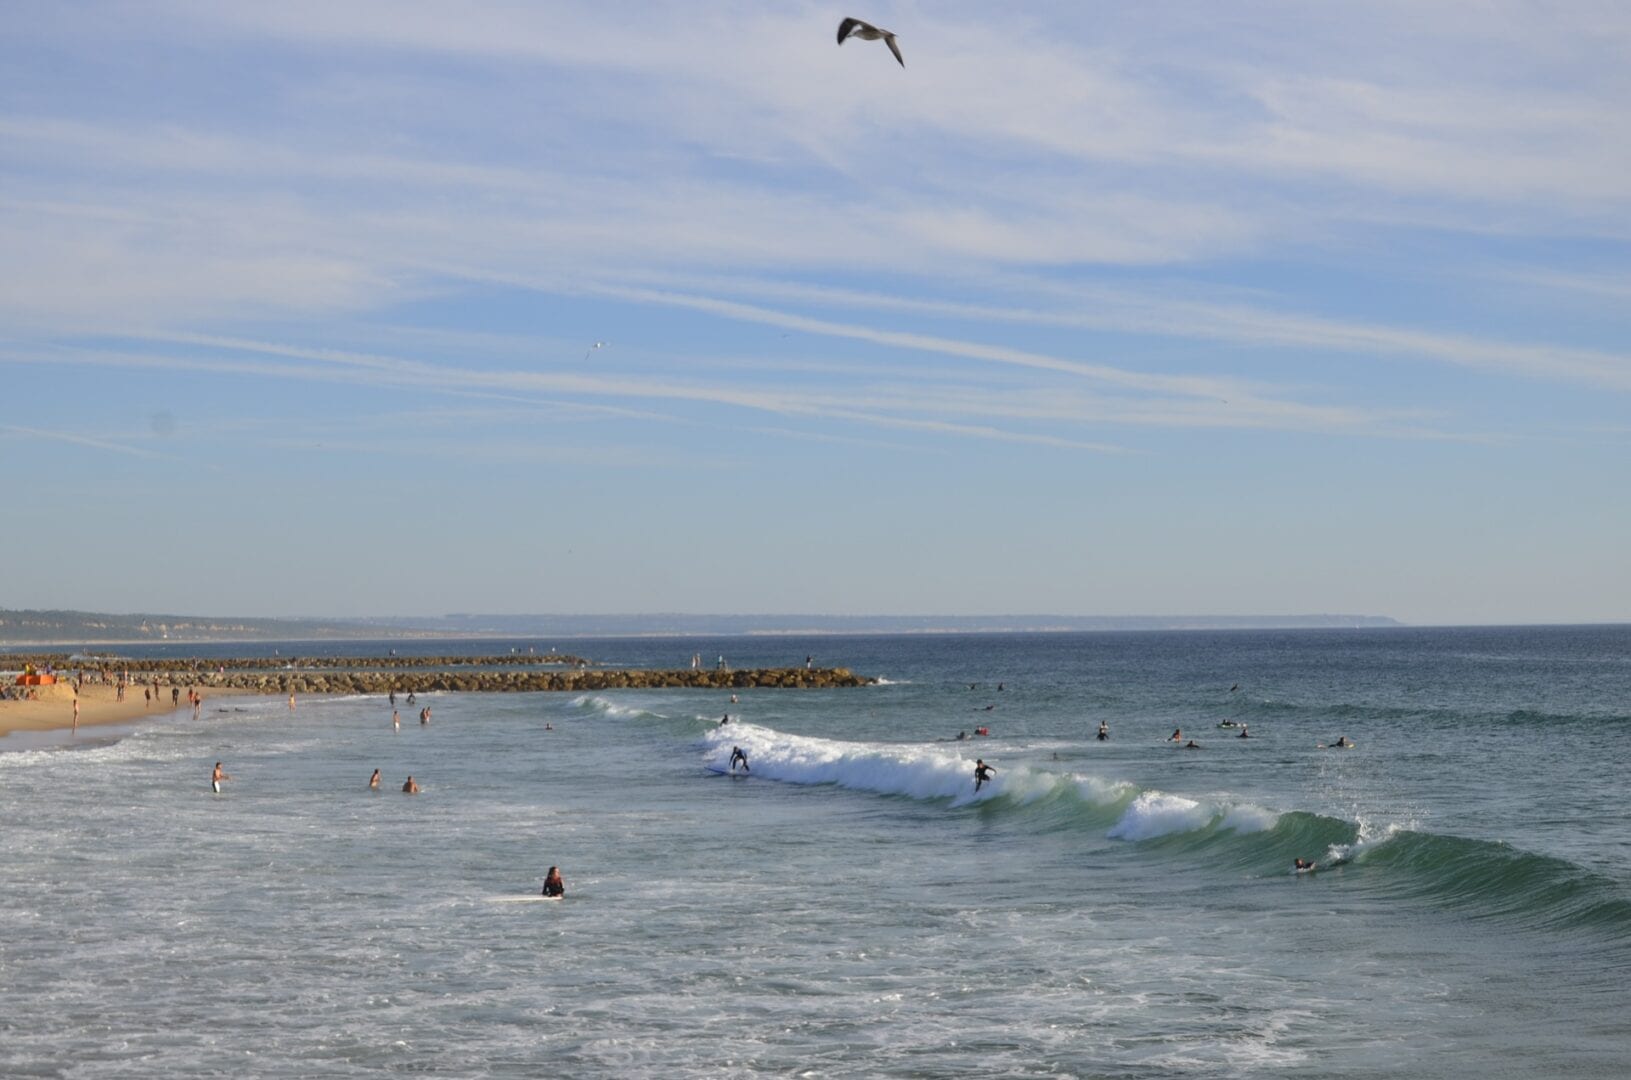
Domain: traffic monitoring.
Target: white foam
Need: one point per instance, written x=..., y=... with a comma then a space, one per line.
x=1156, y=813
x=1247, y=818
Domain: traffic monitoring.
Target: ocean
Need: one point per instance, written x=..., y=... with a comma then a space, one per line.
x=852, y=907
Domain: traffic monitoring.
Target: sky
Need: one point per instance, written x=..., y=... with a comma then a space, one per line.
x=390, y=308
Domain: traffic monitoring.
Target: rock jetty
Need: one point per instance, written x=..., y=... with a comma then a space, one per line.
x=473, y=674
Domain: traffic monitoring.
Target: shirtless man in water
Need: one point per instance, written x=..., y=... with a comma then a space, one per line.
x=410, y=788
x=216, y=777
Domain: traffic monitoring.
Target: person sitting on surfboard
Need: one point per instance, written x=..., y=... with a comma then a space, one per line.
x=738, y=754
x=1176, y=736
x=1342, y=741
x=982, y=773
x=553, y=885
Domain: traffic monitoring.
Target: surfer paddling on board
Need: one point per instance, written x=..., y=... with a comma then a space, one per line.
x=216, y=777
x=553, y=885
x=1301, y=865
x=982, y=773
x=738, y=754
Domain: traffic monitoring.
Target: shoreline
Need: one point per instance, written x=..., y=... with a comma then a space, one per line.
x=54, y=709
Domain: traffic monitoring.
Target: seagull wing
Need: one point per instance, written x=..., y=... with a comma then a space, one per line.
x=848, y=27
x=889, y=40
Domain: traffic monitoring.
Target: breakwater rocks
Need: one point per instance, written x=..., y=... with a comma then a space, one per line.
x=419, y=681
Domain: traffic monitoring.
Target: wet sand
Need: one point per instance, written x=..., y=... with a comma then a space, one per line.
x=54, y=707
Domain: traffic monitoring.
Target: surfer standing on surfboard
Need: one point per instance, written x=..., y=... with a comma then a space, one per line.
x=553, y=885
x=982, y=773
x=738, y=754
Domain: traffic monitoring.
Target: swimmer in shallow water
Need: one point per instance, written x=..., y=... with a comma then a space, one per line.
x=410, y=788
x=1176, y=736
x=216, y=777
x=373, y=781
x=1192, y=745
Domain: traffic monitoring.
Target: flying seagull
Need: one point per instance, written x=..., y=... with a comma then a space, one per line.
x=868, y=32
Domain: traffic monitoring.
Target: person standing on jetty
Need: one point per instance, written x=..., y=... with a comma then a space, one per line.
x=217, y=777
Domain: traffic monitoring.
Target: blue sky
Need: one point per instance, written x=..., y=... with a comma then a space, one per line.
x=1090, y=309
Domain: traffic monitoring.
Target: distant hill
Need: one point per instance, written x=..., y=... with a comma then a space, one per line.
x=82, y=627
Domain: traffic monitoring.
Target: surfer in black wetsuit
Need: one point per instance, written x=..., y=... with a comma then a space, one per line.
x=1104, y=730
x=737, y=754
x=1243, y=734
x=982, y=773
x=553, y=885
x=1302, y=864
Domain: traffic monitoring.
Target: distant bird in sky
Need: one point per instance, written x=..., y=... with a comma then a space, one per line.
x=867, y=32
x=592, y=348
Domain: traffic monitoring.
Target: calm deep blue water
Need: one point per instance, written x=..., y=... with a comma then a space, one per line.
x=1119, y=908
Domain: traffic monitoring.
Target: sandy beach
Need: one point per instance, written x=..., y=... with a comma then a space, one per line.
x=54, y=706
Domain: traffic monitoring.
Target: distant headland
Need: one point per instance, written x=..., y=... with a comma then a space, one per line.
x=24, y=627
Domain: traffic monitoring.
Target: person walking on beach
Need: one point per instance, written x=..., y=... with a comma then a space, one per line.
x=76, y=714
x=216, y=777
x=737, y=754
x=982, y=773
x=373, y=781
x=553, y=885
x=175, y=697
x=410, y=788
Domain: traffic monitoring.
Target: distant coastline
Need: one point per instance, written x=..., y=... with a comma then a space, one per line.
x=77, y=628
